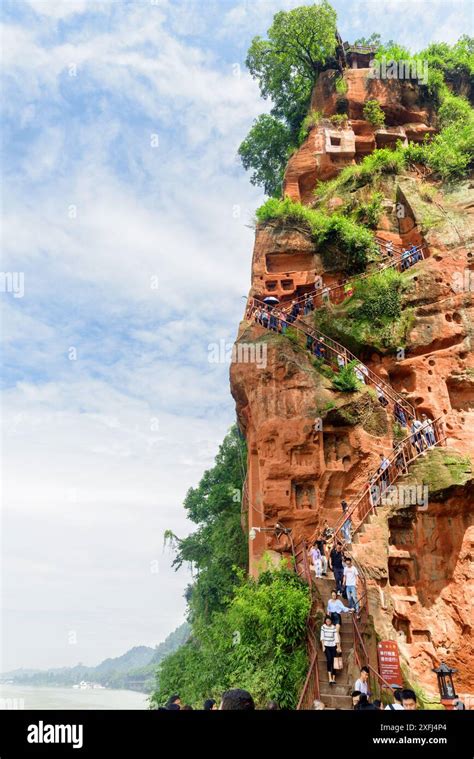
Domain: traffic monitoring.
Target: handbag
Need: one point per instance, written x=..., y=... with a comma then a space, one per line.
x=338, y=661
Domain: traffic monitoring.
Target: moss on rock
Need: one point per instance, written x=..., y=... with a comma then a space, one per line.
x=441, y=469
x=365, y=410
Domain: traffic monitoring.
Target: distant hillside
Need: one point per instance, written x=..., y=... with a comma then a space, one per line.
x=134, y=670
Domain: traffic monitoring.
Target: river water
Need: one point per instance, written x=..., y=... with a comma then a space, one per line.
x=32, y=697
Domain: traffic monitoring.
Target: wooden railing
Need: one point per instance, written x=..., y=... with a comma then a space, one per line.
x=330, y=351
x=377, y=489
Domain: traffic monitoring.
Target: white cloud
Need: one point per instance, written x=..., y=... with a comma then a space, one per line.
x=86, y=472
x=90, y=485
x=60, y=9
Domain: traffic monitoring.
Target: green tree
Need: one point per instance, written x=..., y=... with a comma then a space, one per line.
x=218, y=548
x=256, y=643
x=265, y=151
x=373, y=40
x=300, y=44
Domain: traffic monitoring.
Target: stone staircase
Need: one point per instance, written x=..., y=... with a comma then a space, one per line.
x=365, y=533
x=335, y=696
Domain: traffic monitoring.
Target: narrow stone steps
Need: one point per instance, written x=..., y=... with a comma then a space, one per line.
x=332, y=690
x=333, y=701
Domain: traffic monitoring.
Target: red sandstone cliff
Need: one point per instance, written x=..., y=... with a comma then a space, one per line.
x=418, y=562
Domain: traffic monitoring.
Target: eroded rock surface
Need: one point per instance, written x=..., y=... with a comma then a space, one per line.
x=419, y=562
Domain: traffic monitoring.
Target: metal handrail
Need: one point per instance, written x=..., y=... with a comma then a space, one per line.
x=310, y=690
x=364, y=503
x=336, y=349
x=363, y=661
x=334, y=292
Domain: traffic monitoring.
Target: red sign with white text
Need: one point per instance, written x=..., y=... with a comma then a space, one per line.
x=389, y=662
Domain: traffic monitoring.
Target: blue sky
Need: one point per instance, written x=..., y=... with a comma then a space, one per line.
x=121, y=126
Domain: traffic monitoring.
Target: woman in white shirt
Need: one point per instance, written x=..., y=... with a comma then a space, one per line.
x=330, y=641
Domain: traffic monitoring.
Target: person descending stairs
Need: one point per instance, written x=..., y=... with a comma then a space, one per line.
x=335, y=696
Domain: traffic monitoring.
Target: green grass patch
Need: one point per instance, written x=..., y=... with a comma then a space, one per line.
x=381, y=161
x=441, y=469
x=346, y=380
x=373, y=318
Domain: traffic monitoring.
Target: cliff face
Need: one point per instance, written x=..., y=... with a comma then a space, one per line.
x=418, y=561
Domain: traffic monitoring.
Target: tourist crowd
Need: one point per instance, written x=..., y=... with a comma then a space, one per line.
x=237, y=699
x=421, y=432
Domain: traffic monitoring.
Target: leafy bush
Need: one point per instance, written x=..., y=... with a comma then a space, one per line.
x=380, y=294
x=311, y=120
x=346, y=380
x=341, y=86
x=417, y=152
x=339, y=119
x=454, y=109
x=374, y=114
x=451, y=153
x=351, y=238
x=393, y=52
x=369, y=213
x=257, y=643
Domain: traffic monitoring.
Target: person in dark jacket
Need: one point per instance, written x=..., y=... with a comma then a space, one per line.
x=336, y=563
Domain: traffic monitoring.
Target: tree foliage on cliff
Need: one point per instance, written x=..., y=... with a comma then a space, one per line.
x=256, y=643
x=373, y=318
x=354, y=242
x=265, y=152
x=300, y=43
x=218, y=548
x=446, y=64
x=450, y=154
